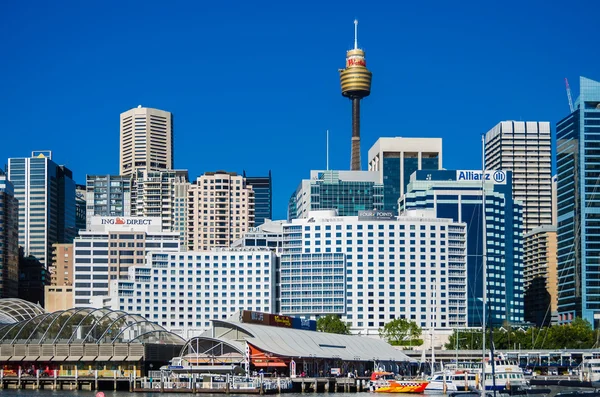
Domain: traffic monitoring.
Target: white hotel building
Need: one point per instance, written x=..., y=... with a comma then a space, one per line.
x=109, y=247
x=374, y=267
x=184, y=291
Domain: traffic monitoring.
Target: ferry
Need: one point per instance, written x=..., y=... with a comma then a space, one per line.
x=385, y=382
x=508, y=375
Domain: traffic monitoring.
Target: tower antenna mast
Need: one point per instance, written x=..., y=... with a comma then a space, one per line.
x=356, y=34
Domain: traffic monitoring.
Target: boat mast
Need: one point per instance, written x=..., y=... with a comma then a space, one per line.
x=484, y=260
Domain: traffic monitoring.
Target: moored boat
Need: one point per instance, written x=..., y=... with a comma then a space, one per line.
x=385, y=382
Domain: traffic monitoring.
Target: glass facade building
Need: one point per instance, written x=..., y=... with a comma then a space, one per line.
x=9, y=239
x=458, y=195
x=108, y=195
x=578, y=200
x=395, y=159
x=46, y=195
x=348, y=192
x=263, y=197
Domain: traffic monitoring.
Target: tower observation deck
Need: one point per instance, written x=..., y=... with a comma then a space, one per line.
x=355, y=80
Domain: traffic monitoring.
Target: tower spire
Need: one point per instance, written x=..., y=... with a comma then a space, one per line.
x=355, y=80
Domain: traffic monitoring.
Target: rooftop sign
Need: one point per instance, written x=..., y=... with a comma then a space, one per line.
x=376, y=216
x=495, y=177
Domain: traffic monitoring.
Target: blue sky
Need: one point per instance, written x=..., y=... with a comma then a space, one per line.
x=254, y=85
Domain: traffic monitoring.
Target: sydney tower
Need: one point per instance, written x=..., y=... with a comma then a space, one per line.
x=356, y=84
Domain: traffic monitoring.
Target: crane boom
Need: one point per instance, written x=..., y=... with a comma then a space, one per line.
x=569, y=96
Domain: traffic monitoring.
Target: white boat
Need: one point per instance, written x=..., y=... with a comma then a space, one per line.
x=507, y=375
x=590, y=369
x=441, y=382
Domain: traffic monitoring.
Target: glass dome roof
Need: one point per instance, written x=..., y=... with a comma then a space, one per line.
x=86, y=325
x=13, y=310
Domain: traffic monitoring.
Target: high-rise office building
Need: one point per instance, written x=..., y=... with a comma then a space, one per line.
x=33, y=278
x=46, y=195
x=220, y=210
x=347, y=192
x=162, y=194
x=525, y=148
x=146, y=140
x=539, y=276
x=373, y=268
x=9, y=239
x=263, y=197
x=108, y=195
x=395, y=159
x=578, y=199
x=554, y=198
x=458, y=195
x=110, y=247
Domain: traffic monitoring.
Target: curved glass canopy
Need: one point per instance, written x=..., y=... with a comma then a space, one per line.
x=13, y=310
x=86, y=325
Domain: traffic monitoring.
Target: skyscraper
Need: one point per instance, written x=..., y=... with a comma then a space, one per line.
x=80, y=207
x=525, y=148
x=355, y=79
x=146, y=140
x=220, y=210
x=458, y=195
x=263, y=197
x=347, y=192
x=578, y=199
x=46, y=195
x=395, y=159
x=9, y=239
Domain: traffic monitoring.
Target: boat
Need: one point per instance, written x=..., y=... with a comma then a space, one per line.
x=441, y=381
x=590, y=369
x=385, y=382
x=508, y=375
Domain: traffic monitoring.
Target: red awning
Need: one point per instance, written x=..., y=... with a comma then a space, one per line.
x=273, y=364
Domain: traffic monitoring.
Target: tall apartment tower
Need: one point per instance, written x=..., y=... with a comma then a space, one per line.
x=162, y=194
x=525, y=148
x=263, y=197
x=108, y=195
x=395, y=159
x=9, y=238
x=46, y=195
x=220, y=210
x=146, y=140
x=578, y=200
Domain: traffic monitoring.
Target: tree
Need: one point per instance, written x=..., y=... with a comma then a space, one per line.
x=332, y=324
x=401, y=331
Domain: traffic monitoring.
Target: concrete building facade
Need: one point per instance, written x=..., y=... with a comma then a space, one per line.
x=540, y=276
x=458, y=195
x=347, y=192
x=525, y=148
x=220, y=210
x=9, y=239
x=46, y=195
x=146, y=140
x=184, y=291
x=110, y=247
x=373, y=268
x=395, y=159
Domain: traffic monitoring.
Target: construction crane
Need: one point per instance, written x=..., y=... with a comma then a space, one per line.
x=569, y=95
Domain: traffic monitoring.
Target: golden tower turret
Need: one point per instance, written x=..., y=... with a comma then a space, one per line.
x=356, y=84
